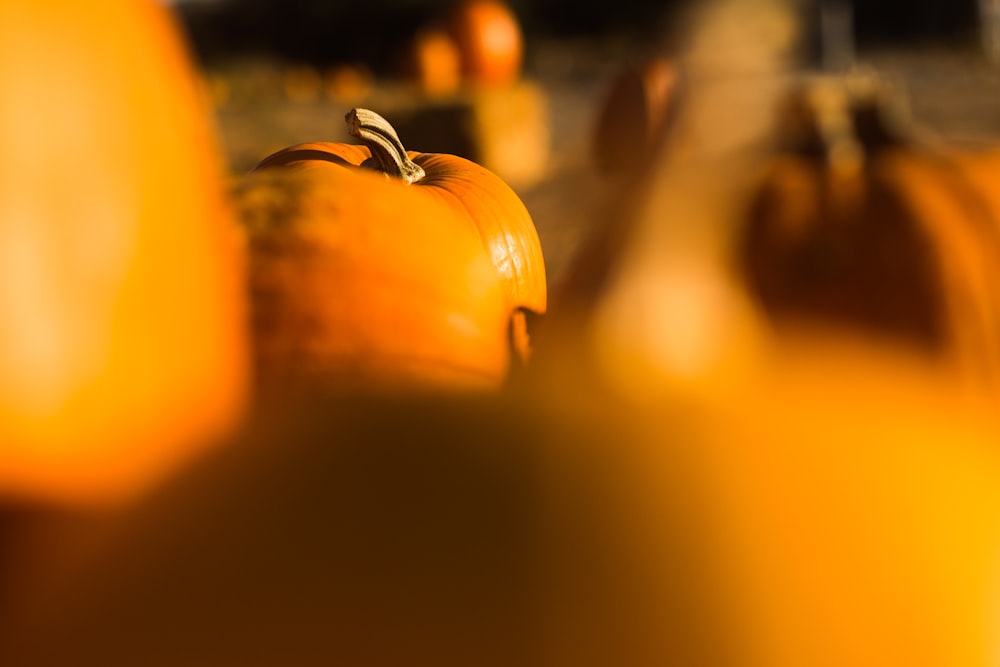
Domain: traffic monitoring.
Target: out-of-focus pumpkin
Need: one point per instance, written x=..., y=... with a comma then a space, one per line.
x=484, y=530
x=631, y=119
x=121, y=311
x=630, y=128
x=489, y=41
x=858, y=223
x=837, y=507
x=432, y=62
x=843, y=511
x=348, y=83
x=373, y=265
x=846, y=486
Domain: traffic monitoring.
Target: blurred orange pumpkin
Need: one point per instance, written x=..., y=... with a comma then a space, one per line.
x=121, y=311
x=432, y=62
x=844, y=488
x=413, y=272
x=489, y=40
x=859, y=223
x=632, y=117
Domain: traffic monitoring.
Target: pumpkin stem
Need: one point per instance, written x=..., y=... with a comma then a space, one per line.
x=388, y=153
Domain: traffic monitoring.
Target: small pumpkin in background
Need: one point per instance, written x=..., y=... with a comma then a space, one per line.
x=122, y=343
x=374, y=267
x=432, y=63
x=631, y=124
x=490, y=41
x=465, y=63
x=633, y=115
x=348, y=83
x=859, y=222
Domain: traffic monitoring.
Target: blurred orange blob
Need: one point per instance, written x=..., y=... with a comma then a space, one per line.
x=434, y=63
x=489, y=40
x=302, y=83
x=633, y=115
x=348, y=83
x=854, y=505
x=121, y=312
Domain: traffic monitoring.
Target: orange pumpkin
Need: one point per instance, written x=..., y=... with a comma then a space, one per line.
x=489, y=41
x=836, y=508
x=633, y=115
x=348, y=83
x=861, y=224
x=845, y=490
x=121, y=312
x=415, y=272
x=432, y=63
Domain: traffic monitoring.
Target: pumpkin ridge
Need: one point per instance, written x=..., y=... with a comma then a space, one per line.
x=977, y=300
x=973, y=200
x=499, y=261
x=525, y=292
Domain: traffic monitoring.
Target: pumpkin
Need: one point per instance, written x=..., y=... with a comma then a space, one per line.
x=842, y=507
x=489, y=41
x=631, y=124
x=836, y=506
x=860, y=223
x=633, y=115
x=432, y=63
x=845, y=485
x=375, y=266
x=122, y=341
x=348, y=83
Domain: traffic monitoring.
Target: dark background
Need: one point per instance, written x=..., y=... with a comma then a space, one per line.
x=326, y=31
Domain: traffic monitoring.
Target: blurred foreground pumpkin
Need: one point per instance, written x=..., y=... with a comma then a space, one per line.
x=855, y=500
x=376, y=266
x=384, y=531
x=844, y=511
x=121, y=311
x=860, y=223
